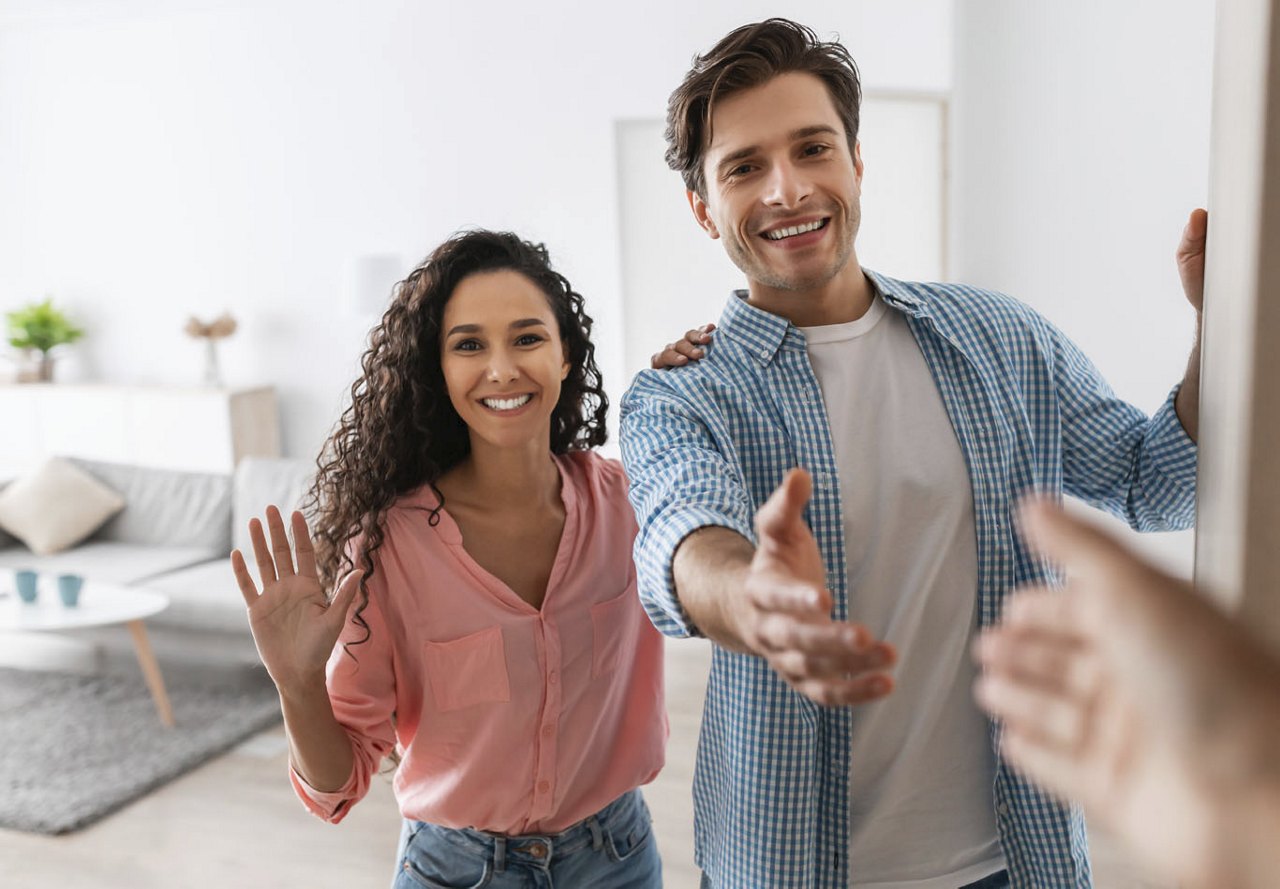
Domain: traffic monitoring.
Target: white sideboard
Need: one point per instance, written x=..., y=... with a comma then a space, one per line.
x=193, y=429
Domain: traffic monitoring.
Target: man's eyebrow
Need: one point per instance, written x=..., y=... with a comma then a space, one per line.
x=515, y=325
x=821, y=129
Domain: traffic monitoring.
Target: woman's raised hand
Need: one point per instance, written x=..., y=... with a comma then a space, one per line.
x=294, y=624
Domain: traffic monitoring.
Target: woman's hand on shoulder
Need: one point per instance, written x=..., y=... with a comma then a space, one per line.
x=684, y=350
x=294, y=624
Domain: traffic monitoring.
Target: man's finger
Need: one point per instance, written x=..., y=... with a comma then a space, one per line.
x=846, y=692
x=782, y=515
x=1195, y=233
x=772, y=594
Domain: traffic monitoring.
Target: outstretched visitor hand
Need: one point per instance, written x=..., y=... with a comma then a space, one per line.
x=682, y=351
x=787, y=614
x=294, y=624
x=1133, y=695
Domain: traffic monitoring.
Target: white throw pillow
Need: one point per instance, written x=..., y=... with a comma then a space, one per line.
x=56, y=506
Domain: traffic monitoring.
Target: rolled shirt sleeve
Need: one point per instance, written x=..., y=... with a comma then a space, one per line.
x=680, y=481
x=362, y=691
x=1141, y=469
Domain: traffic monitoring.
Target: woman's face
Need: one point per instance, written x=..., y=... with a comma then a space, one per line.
x=502, y=357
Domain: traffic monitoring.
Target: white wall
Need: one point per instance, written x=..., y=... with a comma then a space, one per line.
x=159, y=159
x=1081, y=143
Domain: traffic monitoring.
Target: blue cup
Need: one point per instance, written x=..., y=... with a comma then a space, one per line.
x=26, y=581
x=69, y=589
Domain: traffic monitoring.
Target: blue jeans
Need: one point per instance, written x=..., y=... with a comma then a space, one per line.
x=999, y=880
x=613, y=849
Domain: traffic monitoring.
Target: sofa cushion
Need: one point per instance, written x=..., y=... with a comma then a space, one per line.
x=56, y=506
x=165, y=507
x=261, y=482
x=204, y=596
x=124, y=563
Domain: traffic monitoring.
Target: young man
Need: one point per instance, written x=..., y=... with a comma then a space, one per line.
x=1140, y=699
x=917, y=413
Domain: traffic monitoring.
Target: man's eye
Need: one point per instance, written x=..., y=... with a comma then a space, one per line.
x=812, y=150
x=740, y=170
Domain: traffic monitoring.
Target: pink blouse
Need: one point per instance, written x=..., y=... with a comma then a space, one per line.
x=507, y=718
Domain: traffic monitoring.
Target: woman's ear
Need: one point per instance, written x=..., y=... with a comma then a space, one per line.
x=566, y=367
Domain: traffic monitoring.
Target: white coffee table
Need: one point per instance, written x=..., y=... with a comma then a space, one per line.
x=101, y=604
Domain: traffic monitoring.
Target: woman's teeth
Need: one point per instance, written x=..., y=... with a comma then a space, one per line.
x=506, y=404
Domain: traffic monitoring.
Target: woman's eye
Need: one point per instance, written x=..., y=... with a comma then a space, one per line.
x=528, y=339
x=466, y=346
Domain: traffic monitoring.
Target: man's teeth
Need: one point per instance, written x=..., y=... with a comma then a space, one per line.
x=506, y=404
x=780, y=233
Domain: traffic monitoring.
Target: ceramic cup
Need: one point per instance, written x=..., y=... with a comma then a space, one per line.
x=69, y=589
x=26, y=582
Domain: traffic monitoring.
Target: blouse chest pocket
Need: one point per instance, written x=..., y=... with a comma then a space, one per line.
x=614, y=625
x=468, y=671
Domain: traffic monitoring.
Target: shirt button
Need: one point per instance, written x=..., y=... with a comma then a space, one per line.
x=547, y=730
x=553, y=677
x=1003, y=809
x=543, y=786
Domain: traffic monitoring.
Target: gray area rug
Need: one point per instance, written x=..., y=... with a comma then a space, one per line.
x=75, y=748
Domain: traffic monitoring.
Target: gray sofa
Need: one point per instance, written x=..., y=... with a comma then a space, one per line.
x=175, y=534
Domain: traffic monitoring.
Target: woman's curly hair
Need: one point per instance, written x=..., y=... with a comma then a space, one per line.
x=401, y=430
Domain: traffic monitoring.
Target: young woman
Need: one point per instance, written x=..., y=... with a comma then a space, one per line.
x=496, y=644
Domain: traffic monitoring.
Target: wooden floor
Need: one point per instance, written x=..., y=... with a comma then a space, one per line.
x=235, y=824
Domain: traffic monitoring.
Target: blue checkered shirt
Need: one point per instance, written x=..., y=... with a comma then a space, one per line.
x=706, y=444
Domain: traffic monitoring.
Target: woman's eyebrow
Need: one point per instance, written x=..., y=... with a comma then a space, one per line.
x=514, y=325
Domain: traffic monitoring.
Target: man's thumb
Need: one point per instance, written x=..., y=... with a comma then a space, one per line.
x=784, y=510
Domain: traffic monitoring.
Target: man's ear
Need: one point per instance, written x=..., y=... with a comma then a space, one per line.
x=699, y=208
x=857, y=161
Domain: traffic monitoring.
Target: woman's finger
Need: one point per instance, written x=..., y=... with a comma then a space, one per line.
x=302, y=543
x=243, y=579
x=279, y=543
x=262, y=553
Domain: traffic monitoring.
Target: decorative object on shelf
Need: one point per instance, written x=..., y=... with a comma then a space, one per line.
x=39, y=327
x=219, y=328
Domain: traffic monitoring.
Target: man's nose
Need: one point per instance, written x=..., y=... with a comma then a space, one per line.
x=787, y=185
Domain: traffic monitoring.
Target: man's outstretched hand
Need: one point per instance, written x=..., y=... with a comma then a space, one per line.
x=785, y=614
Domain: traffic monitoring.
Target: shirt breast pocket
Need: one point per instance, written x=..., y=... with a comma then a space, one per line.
x=468, y=671
x=614, y=623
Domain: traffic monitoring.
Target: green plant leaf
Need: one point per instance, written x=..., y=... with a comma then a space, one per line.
x=40, y=326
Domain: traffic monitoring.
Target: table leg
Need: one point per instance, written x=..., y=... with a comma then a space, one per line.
x=151, y=671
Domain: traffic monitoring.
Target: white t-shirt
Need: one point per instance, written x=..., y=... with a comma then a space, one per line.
x=921, y=767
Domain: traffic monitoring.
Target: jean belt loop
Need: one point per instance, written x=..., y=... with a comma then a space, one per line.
x=499, y=854
x=597, y=835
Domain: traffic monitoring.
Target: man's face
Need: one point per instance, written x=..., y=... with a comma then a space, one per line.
x=783, y=191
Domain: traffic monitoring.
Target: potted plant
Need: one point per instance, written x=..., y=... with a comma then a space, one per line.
x=40, y=327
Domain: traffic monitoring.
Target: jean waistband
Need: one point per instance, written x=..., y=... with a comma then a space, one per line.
x=542, y=848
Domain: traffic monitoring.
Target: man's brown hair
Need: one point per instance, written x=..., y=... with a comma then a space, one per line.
x=748, y=57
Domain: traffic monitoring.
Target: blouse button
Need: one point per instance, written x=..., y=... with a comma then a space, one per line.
x=553, y=677
x=543, y=787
